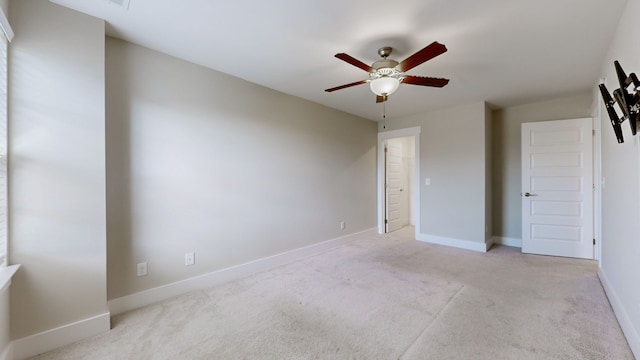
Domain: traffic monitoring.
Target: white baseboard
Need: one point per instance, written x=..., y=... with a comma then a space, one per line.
x=507, y=241
x=457, y=243
x=150, y=296
x=51, y=339
x=625, y=321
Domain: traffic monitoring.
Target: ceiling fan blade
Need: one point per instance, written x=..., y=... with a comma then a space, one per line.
x=346, y=86
x=355, y=62
x=380, y=99
x=425, y=81
x=429, y=52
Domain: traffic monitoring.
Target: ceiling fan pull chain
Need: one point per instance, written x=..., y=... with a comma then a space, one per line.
x=384, y=114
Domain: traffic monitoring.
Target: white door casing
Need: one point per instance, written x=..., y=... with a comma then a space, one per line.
x=557, y=188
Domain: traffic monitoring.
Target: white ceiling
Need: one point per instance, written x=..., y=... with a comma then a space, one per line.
x=505, y=52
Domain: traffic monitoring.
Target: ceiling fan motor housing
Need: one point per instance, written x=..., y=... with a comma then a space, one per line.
x=384, y=63
x=385, y=68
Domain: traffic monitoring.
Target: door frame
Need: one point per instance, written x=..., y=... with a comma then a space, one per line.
x=382, y=137
x=597, y=178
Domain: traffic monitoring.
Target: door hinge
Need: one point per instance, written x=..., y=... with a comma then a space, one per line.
x=594, y=241
x=386, y=221
x=593, y=131
x=386, y=150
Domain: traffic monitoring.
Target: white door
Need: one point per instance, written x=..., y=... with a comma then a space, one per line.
x=393, y=182
x=557, y=188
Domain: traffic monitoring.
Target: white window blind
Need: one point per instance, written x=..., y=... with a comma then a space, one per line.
x=3, y=149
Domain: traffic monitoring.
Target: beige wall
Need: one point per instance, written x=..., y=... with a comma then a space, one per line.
x=4, y=5
x=199, y=161
x=57, y=167
x=621, y=191
x=4, y=322
x=453, y=155
x=507, y=218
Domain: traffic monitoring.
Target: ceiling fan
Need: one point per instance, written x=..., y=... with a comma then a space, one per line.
x=386, y=75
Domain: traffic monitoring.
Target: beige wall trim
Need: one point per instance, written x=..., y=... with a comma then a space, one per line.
x=150, y=296
x=457, y=243
x=67, y=334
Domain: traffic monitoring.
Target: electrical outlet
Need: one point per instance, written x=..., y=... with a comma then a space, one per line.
x=342, y=225
x=189, y=259
x=142, y=269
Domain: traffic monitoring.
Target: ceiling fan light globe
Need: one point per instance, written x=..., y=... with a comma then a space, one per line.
x=384, y=86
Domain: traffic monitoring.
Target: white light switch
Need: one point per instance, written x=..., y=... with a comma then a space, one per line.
x=427, y=181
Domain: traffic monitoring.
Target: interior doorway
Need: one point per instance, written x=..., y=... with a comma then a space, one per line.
x=398, y=196
x=399, y=172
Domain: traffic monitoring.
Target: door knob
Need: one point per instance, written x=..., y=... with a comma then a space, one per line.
x=529, y=194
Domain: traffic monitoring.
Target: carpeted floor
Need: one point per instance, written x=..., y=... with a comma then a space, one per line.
x=384, y=297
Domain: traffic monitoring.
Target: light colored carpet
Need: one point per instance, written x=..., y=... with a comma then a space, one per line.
x=384, y=297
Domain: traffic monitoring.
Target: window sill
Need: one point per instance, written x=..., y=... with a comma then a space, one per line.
x=6, y=274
